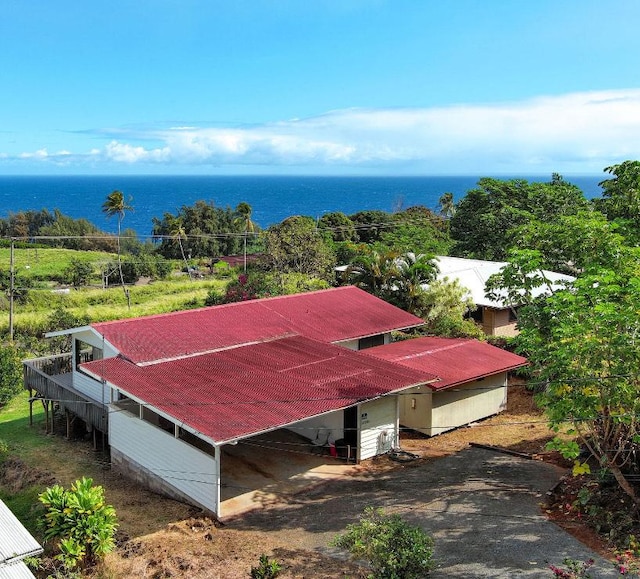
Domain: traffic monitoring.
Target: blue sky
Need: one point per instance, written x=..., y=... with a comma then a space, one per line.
x=363, y=87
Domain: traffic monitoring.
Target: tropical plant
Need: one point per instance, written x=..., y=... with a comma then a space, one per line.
x=393, y=548
x=620, y=200
x=444, y=306
x=78, y=272
x=339, y=226
x=266, y=568
x=413, y=272
x=374, y=272
x=244, y=219
x=482, y=226
x=210, y=231
x=446, y=205
x=115, y=205
x=582, y=345
x=80, y=522
x=295, y=245
x=178, y=233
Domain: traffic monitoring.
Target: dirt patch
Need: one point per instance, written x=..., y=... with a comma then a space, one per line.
x=15, y=476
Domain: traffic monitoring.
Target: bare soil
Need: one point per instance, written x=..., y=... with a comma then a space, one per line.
x=161, y=538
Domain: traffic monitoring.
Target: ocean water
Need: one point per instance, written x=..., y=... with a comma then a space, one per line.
x=272, y=198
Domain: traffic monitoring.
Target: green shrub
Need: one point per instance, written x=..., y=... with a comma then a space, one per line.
x=266, y=569
x=83, y=525
x=393, y=548
x=10, y=373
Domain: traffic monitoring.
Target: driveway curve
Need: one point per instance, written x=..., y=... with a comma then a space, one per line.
x=482, y=508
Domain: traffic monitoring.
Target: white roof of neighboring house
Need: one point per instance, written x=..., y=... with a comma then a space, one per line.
x=16, y=543
x=473, y=274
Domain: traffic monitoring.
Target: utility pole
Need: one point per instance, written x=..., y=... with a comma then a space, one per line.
x=11, y=290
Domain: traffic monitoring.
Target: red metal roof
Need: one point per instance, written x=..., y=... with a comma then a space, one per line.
x=454, y=360
x=242, y=391
x=331, y=315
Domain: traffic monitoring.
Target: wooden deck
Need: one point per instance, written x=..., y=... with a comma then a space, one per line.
x=50, y=379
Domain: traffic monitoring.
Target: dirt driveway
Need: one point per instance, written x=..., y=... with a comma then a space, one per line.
x=481, y=507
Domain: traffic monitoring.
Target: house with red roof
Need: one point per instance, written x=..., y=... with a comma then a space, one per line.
x=172, y=391
x=472, y=381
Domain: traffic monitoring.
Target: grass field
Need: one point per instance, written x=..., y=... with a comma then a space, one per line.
x=37, y=267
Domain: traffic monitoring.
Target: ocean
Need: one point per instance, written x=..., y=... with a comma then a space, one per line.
x=272, y=198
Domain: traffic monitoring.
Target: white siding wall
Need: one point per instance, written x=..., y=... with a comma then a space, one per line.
x=177, y=463
x=349, y=344
x=378, y=424
x=94, y=389
x=333, y=422
x=83, y=383
x=467, y=403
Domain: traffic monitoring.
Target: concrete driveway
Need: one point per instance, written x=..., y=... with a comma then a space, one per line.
x=481, y=507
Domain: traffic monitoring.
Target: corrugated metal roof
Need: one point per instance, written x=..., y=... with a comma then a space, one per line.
x=454, y=360
x=473, y=275
x=17, y=570
x=16, y=542
x=242, y=391
x=332, y=315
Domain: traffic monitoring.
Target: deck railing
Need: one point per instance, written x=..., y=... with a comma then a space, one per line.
x=50, y=377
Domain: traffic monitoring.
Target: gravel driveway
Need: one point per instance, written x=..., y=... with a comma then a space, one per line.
x=481, y=507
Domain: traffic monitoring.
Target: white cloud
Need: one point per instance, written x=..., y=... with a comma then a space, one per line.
x=579, y=132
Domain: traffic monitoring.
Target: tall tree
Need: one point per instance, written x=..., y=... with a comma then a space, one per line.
x=413, y=273
x=582, y=345
x=295, y=245
x=485, y=218
x=446, y=205
x=178, y=233
x=243, y=210
x=117, y=206
x=621, y=198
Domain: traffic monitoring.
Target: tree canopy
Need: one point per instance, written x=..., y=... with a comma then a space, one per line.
x=207, y=231
x=484, y=220
x=582, y=344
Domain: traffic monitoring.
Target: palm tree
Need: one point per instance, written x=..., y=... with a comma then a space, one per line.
x=413, y=273
x=375, y=272
x=244, y=219
x=178, y=233
x=115, y=205
x=446, y=205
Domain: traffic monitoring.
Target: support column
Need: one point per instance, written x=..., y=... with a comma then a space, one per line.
x=218, y=476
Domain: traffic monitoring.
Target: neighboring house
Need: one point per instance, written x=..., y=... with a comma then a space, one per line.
x=472, y=385
x=496, y=317
x=16, y=543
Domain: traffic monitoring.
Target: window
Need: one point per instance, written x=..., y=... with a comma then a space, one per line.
x=370, y=342
x=86, y=353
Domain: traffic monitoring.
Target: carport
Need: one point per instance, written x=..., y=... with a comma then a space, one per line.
x=262, y=470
